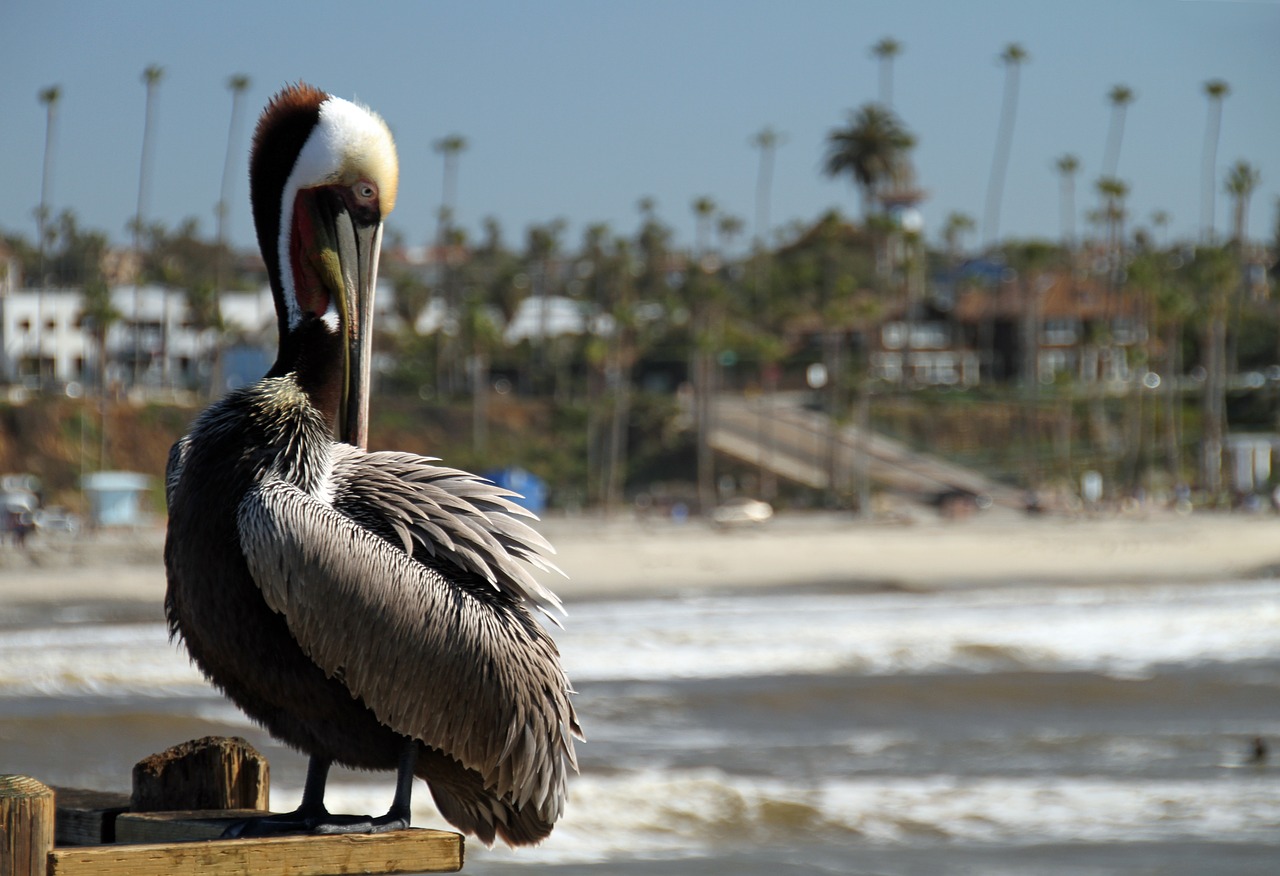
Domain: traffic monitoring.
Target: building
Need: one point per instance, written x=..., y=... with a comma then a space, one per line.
x=44, y=336
x=1001, y=330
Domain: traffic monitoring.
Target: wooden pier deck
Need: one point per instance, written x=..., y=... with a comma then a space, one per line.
x=170, y=825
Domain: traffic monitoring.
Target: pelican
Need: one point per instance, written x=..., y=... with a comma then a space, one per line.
x=369, y=609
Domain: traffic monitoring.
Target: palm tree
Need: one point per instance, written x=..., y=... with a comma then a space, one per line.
x=702, y=369
x=1170, y=304
x=1067, y=166
x=1216, y=90
x=1120, y=96
x=1214, y=276
x=1242, y=179
x=867, y=150
x=728, y=228
x=1013, y=57
x=49, y=98
x=1161, y=219
x=1113, y=192
x=450, y=147
x=767, y=141
x=151, y=79
x=541, y=248
x=1032, y=261
x=704, y=209
x=480, y=336
x=886, y=50
x=956, y=226
x=98, y=314
x=238, y=85
x=623, y=351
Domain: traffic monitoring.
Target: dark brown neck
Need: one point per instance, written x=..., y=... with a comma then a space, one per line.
x=314, y=354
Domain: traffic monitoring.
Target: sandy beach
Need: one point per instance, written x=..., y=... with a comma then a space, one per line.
x=620, y=558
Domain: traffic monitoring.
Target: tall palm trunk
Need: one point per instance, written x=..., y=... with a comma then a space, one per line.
x=767, y=141
x=1216, y=90
x=616, y=453
x=49, y=97
x=1012, y=58
x=1214, y=404
x=1172, y=416
x=238, y=85
x=151, y=78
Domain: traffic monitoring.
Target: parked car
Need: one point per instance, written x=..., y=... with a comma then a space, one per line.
x=57, y=519
x=742, y=511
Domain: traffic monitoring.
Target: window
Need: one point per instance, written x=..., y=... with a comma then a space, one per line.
x=1060, y=332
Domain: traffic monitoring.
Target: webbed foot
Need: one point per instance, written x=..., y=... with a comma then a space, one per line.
x=298, y=822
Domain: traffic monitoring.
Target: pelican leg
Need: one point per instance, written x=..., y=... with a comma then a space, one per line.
x=310, y=813
x=312, y=816
x=396, y=818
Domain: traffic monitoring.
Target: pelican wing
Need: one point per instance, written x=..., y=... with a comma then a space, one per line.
x=448, y=519
x=461, y=667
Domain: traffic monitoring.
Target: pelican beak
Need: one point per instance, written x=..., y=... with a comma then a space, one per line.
x=358, y=247
x=344, y=242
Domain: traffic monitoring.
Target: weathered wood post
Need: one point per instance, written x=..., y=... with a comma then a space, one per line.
x=26, y=826
x=216, y=772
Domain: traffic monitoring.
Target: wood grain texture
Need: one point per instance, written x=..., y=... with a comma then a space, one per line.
x=26, y=825
x=407, y=851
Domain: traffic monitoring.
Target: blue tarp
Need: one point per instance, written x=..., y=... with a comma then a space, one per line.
x=532, y=489
x=114, y=497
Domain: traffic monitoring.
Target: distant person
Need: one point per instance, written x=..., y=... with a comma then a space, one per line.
x=22, y=527
x=1258, y=751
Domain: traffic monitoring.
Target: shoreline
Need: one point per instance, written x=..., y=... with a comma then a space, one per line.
x=123, y=574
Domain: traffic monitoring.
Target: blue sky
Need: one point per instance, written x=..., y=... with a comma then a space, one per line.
x=578, y=108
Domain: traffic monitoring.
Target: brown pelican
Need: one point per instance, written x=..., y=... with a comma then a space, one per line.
x=368, y=609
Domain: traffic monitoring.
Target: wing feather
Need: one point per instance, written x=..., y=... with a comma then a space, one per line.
x=475, y=521
x=464, y=669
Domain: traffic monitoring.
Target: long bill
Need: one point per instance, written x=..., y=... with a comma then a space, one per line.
x=358, y=246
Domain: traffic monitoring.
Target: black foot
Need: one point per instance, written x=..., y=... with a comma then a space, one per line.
x=323, y=823
x=363, y=824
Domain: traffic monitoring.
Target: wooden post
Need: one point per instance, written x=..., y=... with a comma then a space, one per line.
x=216, y=772
x=26, y=826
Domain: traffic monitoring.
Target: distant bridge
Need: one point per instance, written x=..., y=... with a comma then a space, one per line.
x=780, y=435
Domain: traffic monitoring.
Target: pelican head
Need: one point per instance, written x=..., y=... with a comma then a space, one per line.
x=323, y=175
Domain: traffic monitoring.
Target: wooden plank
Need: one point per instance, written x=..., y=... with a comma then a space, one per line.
x=178, y=827
x=26, y=826
x=87, y=818
x=405, y=851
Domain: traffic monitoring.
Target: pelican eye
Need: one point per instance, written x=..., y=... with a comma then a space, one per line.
x=366, y=192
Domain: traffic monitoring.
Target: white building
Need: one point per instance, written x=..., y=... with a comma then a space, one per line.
x=43, y=332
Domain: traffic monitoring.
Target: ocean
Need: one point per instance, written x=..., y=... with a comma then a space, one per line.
x=1005, y=730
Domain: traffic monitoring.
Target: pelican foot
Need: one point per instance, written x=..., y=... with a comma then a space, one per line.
x=363, y=824
x=297, y=822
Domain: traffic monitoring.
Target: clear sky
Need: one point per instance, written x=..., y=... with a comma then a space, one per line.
x=579, y=108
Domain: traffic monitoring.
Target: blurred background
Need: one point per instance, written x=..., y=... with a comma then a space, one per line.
x=639, y=247
x=957, y=321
